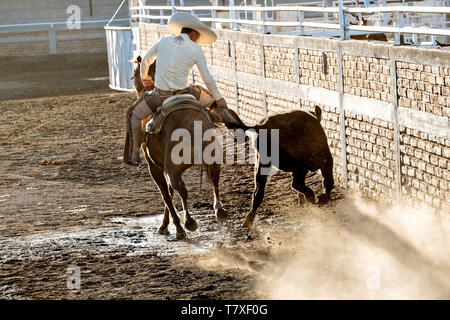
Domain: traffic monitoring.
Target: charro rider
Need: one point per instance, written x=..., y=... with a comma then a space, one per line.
x=175, y=56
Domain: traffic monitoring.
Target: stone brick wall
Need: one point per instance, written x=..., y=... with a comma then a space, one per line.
x=222, y=54
x=371, y=156
x=424, y=87
x=148, y=37
x=250, y=102
x=277, y=103
x=313, y=72
x=248, y=58
x=385, y=109
x=425, y=169
x=367, y=77
x=280, y=63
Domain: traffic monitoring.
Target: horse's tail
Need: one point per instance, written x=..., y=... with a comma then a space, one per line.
x=239, y=126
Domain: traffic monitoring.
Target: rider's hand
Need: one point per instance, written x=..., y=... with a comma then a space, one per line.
x=148, y=82
x=221, y=103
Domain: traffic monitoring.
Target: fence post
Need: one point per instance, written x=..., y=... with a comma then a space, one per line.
x=415, y=38
x=394, y=93
x=342, y=21
x=297, y=76
x=264, y=18
x=263, y=74
x=398, y=36
x=342, y=115
x=233, y=58
x=234, y=25
x=301, y=18
x=433, y=37
x=51, y=39
x=325, y=15
x=213, y=15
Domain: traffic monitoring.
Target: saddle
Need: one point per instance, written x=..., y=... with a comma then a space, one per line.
x=174, y=103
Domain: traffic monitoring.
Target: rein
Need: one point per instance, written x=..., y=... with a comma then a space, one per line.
x=146, y=88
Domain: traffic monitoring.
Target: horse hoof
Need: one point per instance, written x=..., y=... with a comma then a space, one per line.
x=221, y=214
x=323, y=199
x=181, y=235
x=191, y=224
x=163, y=231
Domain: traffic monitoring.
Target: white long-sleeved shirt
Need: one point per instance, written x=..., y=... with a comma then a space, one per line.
x=176, y=55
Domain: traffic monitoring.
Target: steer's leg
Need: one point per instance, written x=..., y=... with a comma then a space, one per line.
x=328, y=181
x=298, y=183
x=158, y=176
x=258, y=195
x=214, y=177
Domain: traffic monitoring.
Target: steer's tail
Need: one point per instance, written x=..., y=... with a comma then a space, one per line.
x=317, y=113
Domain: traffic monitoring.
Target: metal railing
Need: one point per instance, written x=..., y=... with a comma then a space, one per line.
x=341, y=27
x=13, y=33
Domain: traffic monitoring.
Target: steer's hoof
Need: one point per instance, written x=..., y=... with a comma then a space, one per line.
x=301, y=200
x=191, y=224
x=221, y=214
x=323, y=199
x=163, y=231
x=181, y=235
x=248, y=223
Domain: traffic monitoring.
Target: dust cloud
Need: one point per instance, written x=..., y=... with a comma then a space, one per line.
x=353, y=249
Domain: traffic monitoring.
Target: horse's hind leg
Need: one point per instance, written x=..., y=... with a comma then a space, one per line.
x=178, y=184
x=164, y=228
x=158, y=176
x=298, y=183
x=214, y=177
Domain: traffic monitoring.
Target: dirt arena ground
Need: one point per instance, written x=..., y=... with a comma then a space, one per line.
x=65, y=201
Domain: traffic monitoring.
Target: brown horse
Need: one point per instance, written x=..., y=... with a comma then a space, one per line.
x=158, y=150
x=167, y=174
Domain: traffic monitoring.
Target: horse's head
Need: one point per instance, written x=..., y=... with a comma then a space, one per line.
x=139, y=85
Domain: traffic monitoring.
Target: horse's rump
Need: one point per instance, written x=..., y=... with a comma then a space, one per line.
x=176, y=103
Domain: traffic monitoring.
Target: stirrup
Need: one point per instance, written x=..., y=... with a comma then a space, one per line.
x=133, y=163
x=130, y=163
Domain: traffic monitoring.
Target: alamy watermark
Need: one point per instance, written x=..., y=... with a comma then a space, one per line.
x=74, y=277
x=373, y=281
x=74, y=19
x=213, y=152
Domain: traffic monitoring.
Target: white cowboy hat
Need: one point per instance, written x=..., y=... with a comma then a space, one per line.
x=180, y=20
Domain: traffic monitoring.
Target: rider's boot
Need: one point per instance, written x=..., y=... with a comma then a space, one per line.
x=137, y=140
x=139, y=112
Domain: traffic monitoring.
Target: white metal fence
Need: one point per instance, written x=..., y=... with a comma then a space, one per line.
x=236, y=17
x=14, y=33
